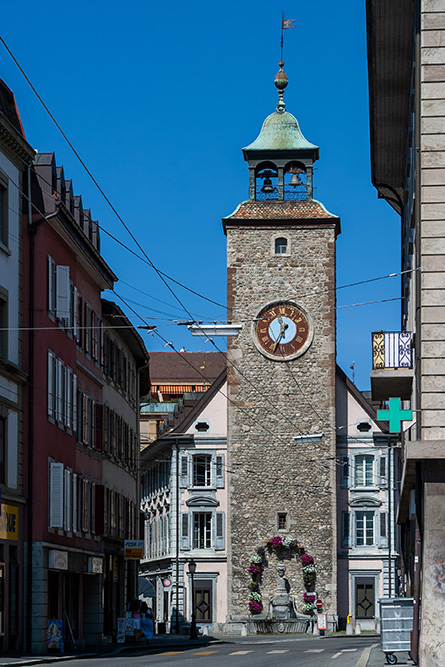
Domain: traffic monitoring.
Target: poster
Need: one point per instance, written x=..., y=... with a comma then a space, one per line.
x=129, y=631
x=54, y=634
x=121, y=630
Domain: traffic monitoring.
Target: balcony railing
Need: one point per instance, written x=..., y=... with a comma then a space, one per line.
x=391, y=349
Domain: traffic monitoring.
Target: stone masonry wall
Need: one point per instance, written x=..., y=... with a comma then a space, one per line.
x=271, y=401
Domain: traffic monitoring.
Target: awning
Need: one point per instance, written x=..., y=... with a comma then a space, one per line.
x=146, y=588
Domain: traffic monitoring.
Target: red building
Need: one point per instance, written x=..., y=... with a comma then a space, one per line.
x=64, y=275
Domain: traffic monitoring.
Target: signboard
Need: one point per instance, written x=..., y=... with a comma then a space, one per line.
x=319, y=604
x=54, y=633
x=133, y=549
x=129, y=629
x=95, y=565
x=322, y=621
x=167, y=583
x=120, y=631
x=9, y=522
x=57, y=560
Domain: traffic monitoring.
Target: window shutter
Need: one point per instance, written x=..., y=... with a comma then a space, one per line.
x=185, y=531
x=85, y=419
x=345, y=480
x=51, y=382
x=60, y=390
x=383, y=530
x=383, y=474
x=67, y=397
x=56, y=495
x=184, y=470
x=219, y=471
x=74, y=406
x=85, y=505
x=74, y=500
x=345, y=529
x=63, y=291
x=51, y=274
x=98, y=426
x=219, y=532
x=67, y=501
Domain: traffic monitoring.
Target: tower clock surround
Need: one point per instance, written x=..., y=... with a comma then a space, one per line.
x=282, y=330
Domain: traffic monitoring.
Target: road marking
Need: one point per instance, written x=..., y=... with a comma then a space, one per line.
x=348, y=650
x=171, y=652
x=285, y=651
x=314, y=650
x=240, y=652
x=335, y=655
x=205, y=653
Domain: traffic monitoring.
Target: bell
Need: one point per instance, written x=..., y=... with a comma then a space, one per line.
x=267, y=185
x=295, y=180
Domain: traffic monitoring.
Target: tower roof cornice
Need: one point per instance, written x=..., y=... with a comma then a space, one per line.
x=281, y=131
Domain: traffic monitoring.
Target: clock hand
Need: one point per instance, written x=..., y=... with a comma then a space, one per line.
x=283, y=328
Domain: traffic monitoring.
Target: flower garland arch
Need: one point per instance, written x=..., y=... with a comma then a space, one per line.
x=278, y=545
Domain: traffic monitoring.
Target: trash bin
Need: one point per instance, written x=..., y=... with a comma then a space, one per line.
x=396, y=623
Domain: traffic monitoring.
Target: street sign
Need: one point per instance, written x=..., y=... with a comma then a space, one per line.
x=133, y=549
x=319, y=604
x=322, y=621
x=167, y=583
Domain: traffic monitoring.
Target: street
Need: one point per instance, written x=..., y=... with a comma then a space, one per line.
x=344, y=652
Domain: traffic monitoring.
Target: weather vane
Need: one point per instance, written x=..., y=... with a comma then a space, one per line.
x=286, y=24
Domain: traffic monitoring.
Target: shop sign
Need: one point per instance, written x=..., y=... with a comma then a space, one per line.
x=54, y=633
x=95, y=565
x=120, y=631
x=133, y=549
x=57, y=560
x=9, y=522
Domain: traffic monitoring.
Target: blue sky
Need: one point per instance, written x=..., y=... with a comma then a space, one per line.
x=159, y=99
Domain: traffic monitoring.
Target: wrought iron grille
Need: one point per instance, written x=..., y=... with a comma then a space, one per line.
x=391, y=349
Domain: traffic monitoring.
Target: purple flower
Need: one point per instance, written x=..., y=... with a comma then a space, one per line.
x=308, y=598
x=255, y=607
x=276, y=542
x=254, y=569
x=306, y=560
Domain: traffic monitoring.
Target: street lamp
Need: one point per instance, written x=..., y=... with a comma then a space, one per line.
x=192, y=570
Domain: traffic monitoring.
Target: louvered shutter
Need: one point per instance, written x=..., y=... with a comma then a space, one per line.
x=345, y=472
x=185, y=531
x=56, y=495
x=63, y=292
x=67, y=501
x=383, y=471
x=219, y=531
x=74, y=485
x=219, y=471
x=85, y=505
x=345, y=529
x=51, y=383
x=98, y=426
x=74, y=407
x=383, y=529
x=184, y=472
x=51, y=295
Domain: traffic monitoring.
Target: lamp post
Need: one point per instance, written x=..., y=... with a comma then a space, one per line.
x=192, y=570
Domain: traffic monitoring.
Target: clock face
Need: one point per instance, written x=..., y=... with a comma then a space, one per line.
x=282, y=331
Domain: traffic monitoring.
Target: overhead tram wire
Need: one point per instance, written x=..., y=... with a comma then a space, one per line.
x=250, y=417
x=160, y=274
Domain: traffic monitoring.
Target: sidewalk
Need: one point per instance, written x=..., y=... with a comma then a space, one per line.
x=377, y=658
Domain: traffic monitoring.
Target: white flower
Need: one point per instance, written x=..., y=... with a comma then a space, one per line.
x=256, y=558
x=309, y=568
x=255, y=596
x=308, y=606
x=287, y=541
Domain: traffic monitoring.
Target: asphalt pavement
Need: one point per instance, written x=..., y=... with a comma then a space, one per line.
x=368, y=656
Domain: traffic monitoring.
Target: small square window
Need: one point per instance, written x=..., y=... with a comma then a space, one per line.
x=281, y=246
x=282, y=520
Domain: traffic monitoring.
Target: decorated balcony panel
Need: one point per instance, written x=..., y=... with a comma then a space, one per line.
x=392, y=365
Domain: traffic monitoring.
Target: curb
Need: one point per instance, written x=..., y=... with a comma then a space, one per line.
x=363, y=660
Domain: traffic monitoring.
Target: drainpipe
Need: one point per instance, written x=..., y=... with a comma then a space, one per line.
x=32, y=230
x=417, y=569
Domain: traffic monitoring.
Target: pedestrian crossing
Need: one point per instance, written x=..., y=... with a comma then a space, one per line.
x=272, y=652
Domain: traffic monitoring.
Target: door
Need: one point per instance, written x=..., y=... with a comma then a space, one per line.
x=203, y=601
x=364, y=598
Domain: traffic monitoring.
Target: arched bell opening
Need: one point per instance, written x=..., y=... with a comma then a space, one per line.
x=266, y=181
x=295, y=181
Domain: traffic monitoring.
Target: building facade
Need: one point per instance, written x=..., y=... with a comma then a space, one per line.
x=184, y=500
x=15, y=156
x=407, y=82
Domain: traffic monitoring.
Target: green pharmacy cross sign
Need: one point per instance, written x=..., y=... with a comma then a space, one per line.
x=395, y=415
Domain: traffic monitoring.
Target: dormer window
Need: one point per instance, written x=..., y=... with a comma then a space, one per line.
x=281, y=246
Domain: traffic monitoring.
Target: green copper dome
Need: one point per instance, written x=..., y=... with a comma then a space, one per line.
x=281, y=131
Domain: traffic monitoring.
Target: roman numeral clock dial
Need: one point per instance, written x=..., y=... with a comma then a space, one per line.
x=282, y=331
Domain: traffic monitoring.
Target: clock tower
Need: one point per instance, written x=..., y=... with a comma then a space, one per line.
x=281, y=368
